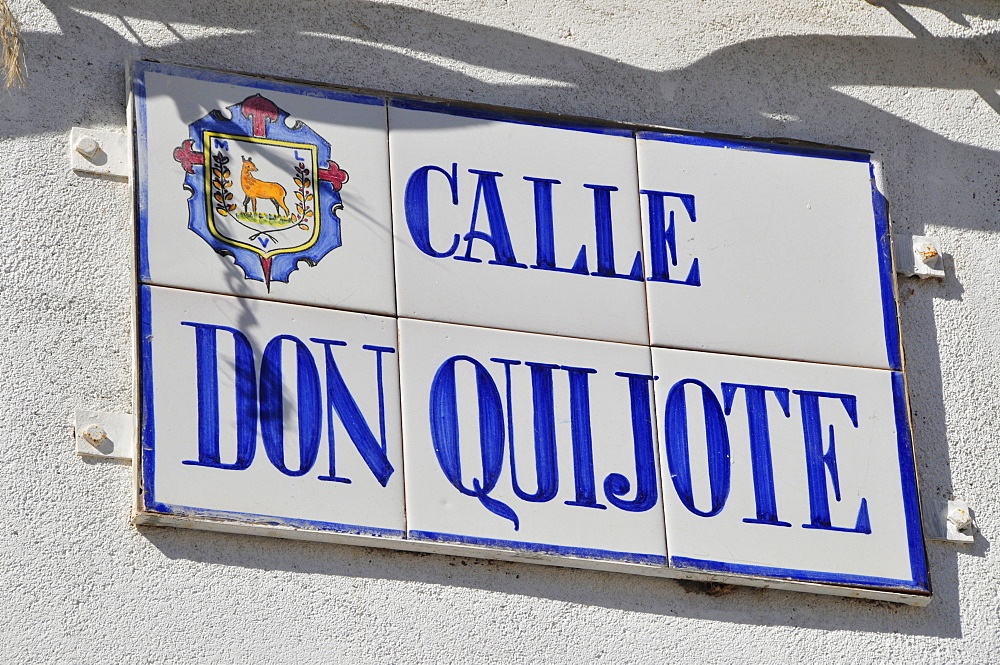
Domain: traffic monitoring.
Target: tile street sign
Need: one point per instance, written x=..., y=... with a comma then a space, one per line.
x=423, y=326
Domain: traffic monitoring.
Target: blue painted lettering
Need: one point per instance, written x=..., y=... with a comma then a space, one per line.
x=663, y=237
x=717, y=441
x=760, y=445
x=443, y=413
x=546, y=464
x=545, y=252
x=207, y=368
x=819, y=463
x=616, y=485
x=583, y=444
x=341, y=401
x=498, y=238
x=605, y=236
x=272, y=405
x=416, y=205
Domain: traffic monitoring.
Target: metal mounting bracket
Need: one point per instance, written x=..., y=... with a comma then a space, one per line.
x=949, y=520
x=99, y=152
x=918, y=256
x=104, y=434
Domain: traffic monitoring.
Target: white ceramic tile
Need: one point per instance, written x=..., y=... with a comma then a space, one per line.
x=482, y=239
x=278, y=383
x=788, y=500
x=352, y=256
x=787, y=252
x=580, y=489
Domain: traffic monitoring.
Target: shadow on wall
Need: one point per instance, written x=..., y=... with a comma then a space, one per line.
x=775, y=86
x=787, y=86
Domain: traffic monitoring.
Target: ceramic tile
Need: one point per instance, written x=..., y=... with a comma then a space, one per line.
x=530, y=442
x=312, y=163
x=786, y=469
x=765, y=253
x=239, y=398
x=516, y=226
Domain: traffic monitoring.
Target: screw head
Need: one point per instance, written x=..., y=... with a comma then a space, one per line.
x=95, y=435
x=960, y=518
x=88, y=146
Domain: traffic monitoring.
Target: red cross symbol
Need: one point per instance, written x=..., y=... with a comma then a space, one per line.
x=260, y=111
x=333, y=175
x=188, y=157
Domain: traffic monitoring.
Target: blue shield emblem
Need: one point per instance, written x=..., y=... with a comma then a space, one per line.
x=262, y=192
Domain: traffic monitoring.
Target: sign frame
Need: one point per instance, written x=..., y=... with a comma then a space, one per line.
x=147, y=511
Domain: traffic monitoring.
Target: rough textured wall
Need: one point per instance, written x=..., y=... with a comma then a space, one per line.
x=916, y=82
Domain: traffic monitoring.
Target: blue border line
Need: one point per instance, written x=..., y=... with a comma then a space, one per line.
x=142, y=163
x=793, y=575
x=147, y=447
x=890, y=320
x=844, y=154
x=260, y=83
x=539, y=548
x=501, y=116
x=908, y=476
x=256, y=519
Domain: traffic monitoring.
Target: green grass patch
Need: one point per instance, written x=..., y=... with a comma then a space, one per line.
x=263, y=219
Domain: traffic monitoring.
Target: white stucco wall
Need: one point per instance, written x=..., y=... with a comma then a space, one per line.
x=78, y=584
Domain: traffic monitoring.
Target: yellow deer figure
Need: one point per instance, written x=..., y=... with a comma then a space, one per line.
x=260, y=189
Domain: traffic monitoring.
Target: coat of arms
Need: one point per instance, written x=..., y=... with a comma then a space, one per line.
x=264, y=192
